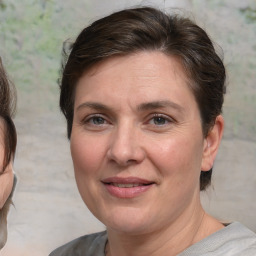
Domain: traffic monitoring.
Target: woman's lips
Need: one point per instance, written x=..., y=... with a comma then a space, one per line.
x=126, y=187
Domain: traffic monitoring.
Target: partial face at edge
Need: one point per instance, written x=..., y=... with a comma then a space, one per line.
x=6, y=176
x=136, y=121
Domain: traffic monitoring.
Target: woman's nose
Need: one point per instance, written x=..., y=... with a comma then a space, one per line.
x=126, y=147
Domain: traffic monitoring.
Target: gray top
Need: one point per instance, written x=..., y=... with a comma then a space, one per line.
x=233, y=240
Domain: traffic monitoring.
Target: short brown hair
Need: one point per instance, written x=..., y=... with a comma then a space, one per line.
x=148, y=29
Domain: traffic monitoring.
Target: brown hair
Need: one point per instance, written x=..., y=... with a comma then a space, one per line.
x=148, y=29
x=7, y=109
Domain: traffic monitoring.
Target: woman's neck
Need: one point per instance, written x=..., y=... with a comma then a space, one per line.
x=169, y=240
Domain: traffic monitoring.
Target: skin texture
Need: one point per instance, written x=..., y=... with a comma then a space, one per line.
x=6, y=177
x=6, y=185
x=135, y=116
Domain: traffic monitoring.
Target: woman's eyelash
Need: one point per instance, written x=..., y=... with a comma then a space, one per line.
x=160, y=119
x=95, y=119
x=100, y=120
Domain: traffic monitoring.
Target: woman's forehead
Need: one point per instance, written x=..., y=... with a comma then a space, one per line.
x=144, y=69
x=138, y=60
x=135, y=79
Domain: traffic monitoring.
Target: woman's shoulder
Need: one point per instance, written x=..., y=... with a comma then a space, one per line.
x=233, y=240
x=88, y=245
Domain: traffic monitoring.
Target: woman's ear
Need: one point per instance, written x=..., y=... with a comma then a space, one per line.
x=211, y=144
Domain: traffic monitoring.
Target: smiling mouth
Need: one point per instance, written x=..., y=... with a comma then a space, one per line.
x=131, y=185
x=126, y=187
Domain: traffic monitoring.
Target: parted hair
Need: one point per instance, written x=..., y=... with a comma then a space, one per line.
x=149, y=29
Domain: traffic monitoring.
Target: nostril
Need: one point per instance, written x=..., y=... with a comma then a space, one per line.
x=130, y=161
x=125, y=151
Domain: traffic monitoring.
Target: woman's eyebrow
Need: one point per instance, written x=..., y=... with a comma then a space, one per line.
x=93, y=105
x=160, y=104
x=142, y=107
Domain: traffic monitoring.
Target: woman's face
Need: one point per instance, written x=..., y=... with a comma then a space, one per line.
x=137, y=142
x=6, y=176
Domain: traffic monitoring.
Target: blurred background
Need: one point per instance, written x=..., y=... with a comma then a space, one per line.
x=48, y=210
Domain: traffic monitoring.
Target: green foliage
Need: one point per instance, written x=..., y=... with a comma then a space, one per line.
x=249, y=14
x=2, y=5
x=32, y=33
x=30, y=40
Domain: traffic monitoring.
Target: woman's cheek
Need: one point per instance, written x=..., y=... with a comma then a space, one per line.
x=86, y=154
x=173, y=155
x=6, y=184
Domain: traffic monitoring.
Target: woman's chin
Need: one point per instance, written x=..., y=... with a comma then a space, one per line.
x=131, y=221
x=127, y=227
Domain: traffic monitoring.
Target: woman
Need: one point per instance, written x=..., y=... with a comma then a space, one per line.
x=142, y=93
x=7, y=150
